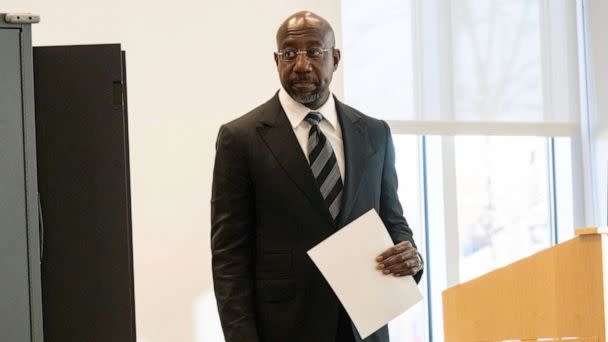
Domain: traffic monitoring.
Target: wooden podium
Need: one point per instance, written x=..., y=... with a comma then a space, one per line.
x=559, y=294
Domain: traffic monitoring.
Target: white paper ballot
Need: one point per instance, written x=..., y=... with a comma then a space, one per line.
x=347, y=260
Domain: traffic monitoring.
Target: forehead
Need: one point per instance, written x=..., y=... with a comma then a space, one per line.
x=303, y=33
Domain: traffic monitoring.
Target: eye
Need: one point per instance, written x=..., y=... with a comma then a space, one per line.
x=314, y=52
x=289, y=54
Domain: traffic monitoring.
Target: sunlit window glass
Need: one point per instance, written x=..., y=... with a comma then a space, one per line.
x=377, y=51
x=503, y=200
x=411, y=326
x=496, y=48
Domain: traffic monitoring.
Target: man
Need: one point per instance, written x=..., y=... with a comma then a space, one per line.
x=287, y=175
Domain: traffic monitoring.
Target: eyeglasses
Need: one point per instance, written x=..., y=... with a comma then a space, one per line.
x=311, y=53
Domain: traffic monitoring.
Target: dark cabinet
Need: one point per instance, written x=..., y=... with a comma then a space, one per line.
x=83, y=180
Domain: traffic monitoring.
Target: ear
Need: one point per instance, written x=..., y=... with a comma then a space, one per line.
x=276, y=58
x=336, y=55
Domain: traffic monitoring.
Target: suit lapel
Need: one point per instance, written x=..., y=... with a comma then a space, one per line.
x=356, y=151
x=276, y=131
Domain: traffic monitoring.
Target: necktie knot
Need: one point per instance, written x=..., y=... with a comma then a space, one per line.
x=314, y=118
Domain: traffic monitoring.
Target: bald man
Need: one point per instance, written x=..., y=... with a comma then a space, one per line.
x=287, y=175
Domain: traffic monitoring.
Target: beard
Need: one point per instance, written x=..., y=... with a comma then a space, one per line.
x=304, y=97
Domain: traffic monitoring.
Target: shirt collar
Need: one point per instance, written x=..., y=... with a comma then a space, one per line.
x=296, y=112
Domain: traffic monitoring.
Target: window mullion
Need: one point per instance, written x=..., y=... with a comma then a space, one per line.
x=450, y=207
x=552, y=195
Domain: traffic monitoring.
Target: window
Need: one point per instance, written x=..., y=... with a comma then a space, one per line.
x=482, y=100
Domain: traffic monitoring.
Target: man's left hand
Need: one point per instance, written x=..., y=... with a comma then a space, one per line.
x=400, y=260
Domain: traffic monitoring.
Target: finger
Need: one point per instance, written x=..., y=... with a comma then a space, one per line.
x=398, y=262
x=399, y=258
x=405, y=273
x=386, y=254
x=401, y=272
x=403, y=268
x=398, y=248
x=410, y=265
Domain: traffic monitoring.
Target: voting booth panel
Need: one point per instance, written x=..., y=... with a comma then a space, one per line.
x=20, y=250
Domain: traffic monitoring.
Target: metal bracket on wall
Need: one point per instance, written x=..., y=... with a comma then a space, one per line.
x=22, y=18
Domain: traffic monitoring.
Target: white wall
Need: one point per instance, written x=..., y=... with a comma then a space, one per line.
x=597, y=51
x=191, y=65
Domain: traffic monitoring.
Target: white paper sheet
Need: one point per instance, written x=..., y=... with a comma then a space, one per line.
x=347, y=260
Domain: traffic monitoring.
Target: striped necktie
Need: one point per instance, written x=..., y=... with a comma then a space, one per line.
x=324, y=165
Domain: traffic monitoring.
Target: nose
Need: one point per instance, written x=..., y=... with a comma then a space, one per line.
x=302, y=64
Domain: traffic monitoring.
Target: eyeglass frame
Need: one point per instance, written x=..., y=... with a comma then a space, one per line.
x=304, y=52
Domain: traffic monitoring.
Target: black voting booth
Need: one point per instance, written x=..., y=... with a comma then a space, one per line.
x=66, y=270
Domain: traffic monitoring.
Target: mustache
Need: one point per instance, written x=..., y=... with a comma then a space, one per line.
x=304, y=78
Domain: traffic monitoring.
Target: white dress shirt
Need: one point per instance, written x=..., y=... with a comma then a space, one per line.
x=330, y=126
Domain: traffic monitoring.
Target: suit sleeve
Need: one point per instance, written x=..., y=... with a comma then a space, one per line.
x=232, y=239
x=391, y=211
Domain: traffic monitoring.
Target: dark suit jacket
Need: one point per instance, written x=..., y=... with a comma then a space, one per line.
x=267, y=211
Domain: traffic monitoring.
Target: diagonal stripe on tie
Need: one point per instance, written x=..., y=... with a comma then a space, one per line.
x=321, y=141
x=325, y=171
x=334, y=208
x=330, y=181
x=322, y=159
x=333, y=194
x=313, y=140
